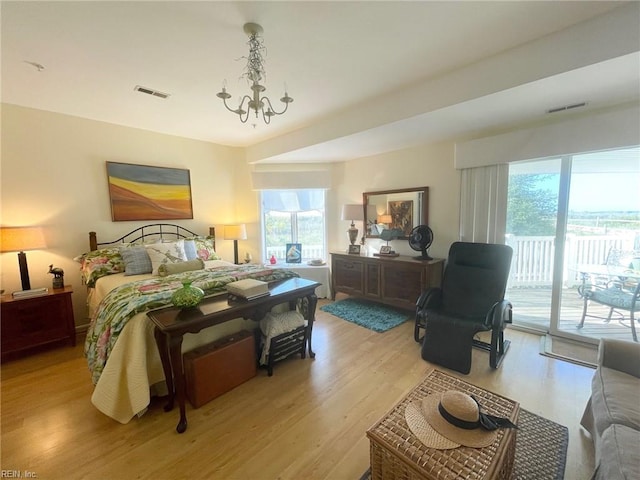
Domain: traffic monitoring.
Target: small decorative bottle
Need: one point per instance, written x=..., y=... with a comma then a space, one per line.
x=187, y=296
x=272, y=260
x=247, y=257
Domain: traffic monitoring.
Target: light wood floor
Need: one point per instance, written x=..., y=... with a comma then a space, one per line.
x=308, y=421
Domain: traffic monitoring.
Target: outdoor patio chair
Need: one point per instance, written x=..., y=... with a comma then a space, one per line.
x=471, y=300
x=618, y=289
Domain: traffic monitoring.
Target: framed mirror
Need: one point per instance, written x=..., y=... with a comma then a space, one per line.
x=401, y=209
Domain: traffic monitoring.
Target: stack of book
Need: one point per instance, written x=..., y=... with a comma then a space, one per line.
x=34, y=292
x=247, y=289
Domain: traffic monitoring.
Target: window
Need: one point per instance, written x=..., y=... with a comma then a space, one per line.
x=293, y=216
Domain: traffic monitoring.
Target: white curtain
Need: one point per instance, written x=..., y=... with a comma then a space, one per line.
x=483, y=204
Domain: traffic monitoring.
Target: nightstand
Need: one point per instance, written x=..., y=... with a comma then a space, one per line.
x=34, y=321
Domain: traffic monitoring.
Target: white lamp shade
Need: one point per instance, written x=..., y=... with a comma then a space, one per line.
x=235, y=232
x=352, y=212
x=18, y=239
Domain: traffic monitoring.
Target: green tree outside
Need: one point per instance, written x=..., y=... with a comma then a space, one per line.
x=533, y=204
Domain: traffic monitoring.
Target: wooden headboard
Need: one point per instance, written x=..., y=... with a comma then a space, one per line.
x=160, y=231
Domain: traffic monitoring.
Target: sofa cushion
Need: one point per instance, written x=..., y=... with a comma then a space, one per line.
x=619, y=454
x=615, y=399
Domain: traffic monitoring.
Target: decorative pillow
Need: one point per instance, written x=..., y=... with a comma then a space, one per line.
x=163, y=253
x=99, y=263
x=136, y=260
x=190, y=249
x=205, y=249
x=171, y=268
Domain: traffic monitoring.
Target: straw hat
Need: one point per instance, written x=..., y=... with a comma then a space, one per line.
x=426, y=421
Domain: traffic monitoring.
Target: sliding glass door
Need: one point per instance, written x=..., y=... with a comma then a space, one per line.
x=564, y=214
x=602, y=222
x=531, y=230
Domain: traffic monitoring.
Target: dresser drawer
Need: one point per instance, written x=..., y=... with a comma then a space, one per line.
x=348, y=275
x=30, y=322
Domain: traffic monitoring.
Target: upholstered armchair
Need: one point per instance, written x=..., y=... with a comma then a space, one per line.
x=471, y=300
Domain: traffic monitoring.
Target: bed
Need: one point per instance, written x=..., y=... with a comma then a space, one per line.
x=131, y=275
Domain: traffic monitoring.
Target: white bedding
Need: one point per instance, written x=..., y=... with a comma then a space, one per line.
x=134, y=370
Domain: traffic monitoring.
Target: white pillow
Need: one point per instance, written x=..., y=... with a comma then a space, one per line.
x=163, y=253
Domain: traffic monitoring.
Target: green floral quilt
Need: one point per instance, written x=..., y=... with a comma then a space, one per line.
x=125, y=301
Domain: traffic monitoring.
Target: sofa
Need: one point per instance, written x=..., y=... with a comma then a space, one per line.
x=612, y=415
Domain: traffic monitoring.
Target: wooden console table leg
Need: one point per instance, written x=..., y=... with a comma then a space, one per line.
x=175, y=349
x=313, y=301
x=163, y=350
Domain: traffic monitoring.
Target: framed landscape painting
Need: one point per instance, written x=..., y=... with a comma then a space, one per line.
x=141, y=192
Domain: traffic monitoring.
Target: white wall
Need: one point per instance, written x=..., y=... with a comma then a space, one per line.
x=53, y=174
x=612, y=128
x=428, y=165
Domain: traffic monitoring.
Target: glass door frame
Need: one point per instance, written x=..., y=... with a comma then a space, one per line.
x=562, y=218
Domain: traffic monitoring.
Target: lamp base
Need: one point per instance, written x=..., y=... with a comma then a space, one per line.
x=353, y=234
x=24, y=271
x=235, y=252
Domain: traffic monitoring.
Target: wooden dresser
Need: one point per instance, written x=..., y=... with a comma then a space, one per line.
x=34, y=321
x=395, y=281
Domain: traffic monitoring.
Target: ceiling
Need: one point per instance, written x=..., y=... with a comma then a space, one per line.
x=366, y=77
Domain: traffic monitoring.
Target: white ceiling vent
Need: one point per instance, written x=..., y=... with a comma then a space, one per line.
x=151, y=91
x=567, y=107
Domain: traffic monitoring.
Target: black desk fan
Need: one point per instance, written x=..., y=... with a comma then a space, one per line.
x=420, y=239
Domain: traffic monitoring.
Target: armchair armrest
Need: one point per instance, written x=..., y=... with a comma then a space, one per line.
x=620, y=355
x=500, y=313
x=430, y=298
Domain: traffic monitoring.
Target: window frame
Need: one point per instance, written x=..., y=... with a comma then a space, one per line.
x=294, y=224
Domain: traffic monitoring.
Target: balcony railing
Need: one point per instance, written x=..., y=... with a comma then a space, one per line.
x=532, y=264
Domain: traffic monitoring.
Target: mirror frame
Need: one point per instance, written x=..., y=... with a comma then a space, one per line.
x=425, y=207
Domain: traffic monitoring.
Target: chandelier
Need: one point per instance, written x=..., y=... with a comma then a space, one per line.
x=254, y=73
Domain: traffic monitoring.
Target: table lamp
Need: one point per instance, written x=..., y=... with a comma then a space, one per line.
x=235, y=232
x=352, y=212
x=385, y=219
x=19, y=239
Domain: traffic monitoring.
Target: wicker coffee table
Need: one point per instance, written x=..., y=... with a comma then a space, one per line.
x=397, y=454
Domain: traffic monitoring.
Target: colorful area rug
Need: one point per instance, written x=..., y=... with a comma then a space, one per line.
x=373, y=316
x=541, y=449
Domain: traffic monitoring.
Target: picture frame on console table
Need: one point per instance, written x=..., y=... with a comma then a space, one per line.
x=354, y=249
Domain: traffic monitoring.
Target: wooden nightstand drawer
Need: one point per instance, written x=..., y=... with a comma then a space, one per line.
x=30, y=322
